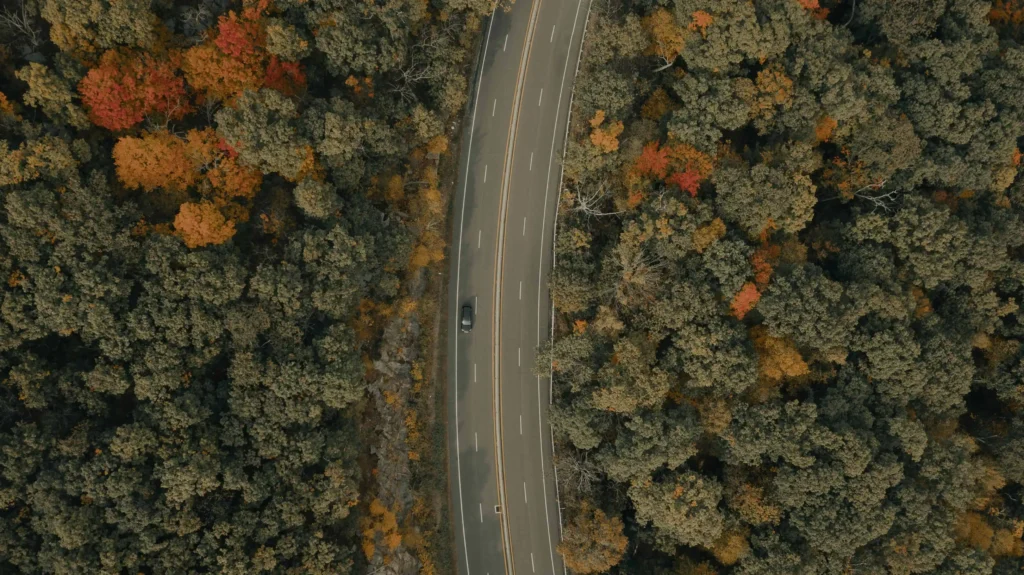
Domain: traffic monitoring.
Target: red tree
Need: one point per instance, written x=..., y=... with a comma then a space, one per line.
x=239, y=38
x=285, y=77
x=124, y=88
x=653, y=161
x=745, y=300
x=237, y=60
x=688, y=181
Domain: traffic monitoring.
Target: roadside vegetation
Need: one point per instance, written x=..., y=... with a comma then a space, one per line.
x=220, y=227
x=788, y=289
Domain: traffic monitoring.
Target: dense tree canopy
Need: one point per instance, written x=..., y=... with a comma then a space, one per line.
x=787, y=297
x=199, y=251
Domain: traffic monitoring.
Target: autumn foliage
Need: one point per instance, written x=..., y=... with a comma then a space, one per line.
x=217, y=75
x=815, y=8
x=700, y=20
x=380, y=526
x=730, y=547
x=209, y=153
x=605, y=137
x=824, y=128
x=1007, y=13
x=125, y=87
x=162, y=160
x=744, y=300
x=592, y=542
x=202, y=224
x=676, y=164
x=777, y=357
x=157, y=160
x=688, y=181
x=653, y=161
x=237, y=60
x=704, y=236
x=657, y=105
x=667, y=38
x=285, y=77
x=763, y=261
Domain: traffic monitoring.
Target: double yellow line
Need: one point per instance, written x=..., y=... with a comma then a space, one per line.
x=524, y=62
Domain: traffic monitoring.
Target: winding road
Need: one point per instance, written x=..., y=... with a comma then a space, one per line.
x=504, y=496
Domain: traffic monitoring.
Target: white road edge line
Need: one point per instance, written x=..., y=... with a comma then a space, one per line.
x=506, y=43
x=481, y=513
x=531, y=161
x=541, y=98
x=494, y=107
x=520, y=289
x=458, y=262
x=479, y=235
x=485, y=173
x=525, y=498
x=540, y=275
x=524, y=225
x=519, y=354
x=520, y=424
x=474, y=373
x=532, y=566
x=476, y=442
x=553, y=35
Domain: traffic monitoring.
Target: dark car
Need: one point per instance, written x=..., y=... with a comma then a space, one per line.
x=466, y=322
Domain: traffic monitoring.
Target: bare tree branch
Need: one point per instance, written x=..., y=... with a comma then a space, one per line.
x=588, y=201
x=666, y=66
x=19, y=23
x=879, y=199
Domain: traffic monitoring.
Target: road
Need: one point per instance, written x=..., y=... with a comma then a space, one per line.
x=504, y=500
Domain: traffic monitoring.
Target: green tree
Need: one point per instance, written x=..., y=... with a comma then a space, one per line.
x=87, y=26
x=263, y=127
x=47, y=91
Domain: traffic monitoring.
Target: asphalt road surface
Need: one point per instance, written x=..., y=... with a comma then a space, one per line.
x=504, y=501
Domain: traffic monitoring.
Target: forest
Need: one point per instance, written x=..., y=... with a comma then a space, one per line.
x=787, y=287
x=218, y=221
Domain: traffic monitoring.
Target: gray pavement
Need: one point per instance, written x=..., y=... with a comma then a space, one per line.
x=501, y=254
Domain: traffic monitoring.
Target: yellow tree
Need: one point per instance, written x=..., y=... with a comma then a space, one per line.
x=667, y=37
x=156, y=160
x=592, y=542
x=778, y=359
x=606, y=138
x=202, y=224
x=730, y=547
x=233, y=180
